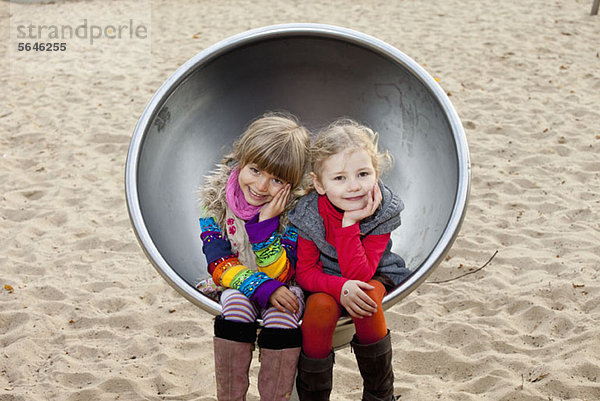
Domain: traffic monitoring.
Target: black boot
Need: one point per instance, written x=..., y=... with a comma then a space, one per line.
x=375, y=365
x=315, y=378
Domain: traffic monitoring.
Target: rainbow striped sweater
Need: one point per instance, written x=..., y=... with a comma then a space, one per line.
x=275, y=257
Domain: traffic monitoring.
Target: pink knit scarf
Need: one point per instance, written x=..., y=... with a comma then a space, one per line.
x=236, y=200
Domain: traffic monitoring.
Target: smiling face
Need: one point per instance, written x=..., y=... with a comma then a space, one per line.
x=258, y=186
x=346, y=178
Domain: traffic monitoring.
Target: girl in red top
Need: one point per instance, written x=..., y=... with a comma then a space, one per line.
x=345, y=260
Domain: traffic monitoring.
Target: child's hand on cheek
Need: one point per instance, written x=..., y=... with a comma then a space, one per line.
x=277, y=205
x=373, y=201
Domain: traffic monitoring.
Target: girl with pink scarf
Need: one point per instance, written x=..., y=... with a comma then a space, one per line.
x=251, y=255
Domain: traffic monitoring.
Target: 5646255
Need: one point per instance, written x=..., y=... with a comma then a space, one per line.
x=41, y=46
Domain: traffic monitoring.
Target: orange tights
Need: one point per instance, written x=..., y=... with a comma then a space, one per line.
x=322, y=313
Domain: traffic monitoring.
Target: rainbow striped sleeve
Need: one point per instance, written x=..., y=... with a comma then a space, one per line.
x=275, y=253
x=223, y=265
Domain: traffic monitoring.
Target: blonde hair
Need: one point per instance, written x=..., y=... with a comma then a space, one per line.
x=277, y=144
x=346, y=134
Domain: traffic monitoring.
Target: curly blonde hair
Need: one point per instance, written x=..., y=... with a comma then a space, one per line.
x=347, y=134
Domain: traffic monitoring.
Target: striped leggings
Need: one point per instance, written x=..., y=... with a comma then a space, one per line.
x=237, y=307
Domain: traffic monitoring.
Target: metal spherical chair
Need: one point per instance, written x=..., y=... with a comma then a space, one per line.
x=319, y=73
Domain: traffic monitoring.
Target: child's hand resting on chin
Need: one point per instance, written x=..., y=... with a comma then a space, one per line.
x=373, y=201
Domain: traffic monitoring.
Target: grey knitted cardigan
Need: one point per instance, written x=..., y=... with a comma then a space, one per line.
x=305, y=216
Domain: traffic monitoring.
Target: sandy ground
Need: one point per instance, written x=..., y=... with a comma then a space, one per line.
x=84, y=315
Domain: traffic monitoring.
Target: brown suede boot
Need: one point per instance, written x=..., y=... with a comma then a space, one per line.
x=277, y=373
x=233, y=346
x=375, y=365
x=232, y=363
x=279, y=351
x=315, y=378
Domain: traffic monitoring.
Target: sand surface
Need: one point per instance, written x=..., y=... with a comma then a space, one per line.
x=84, y=315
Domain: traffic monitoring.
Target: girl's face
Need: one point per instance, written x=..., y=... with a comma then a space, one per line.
x=258, y=186
x=346, y=179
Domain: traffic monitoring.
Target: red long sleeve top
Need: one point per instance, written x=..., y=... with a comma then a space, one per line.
x=358, y=257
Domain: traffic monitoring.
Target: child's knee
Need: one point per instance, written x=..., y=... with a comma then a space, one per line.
x=237, y=307
x=322, y=312
x=377, y=293
x=322, y=304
